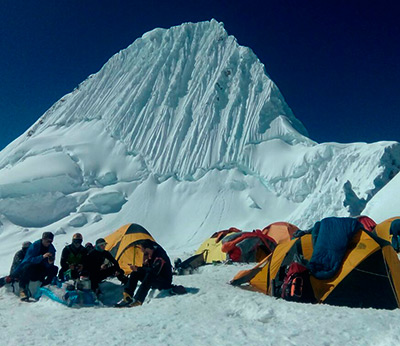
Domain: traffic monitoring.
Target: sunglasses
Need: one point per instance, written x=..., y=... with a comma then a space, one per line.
x=77, y=241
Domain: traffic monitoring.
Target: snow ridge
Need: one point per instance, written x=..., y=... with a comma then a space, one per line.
x=186, y=99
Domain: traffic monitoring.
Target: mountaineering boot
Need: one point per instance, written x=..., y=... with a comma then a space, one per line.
x=134, y=303
x=23, y=296
x=125, y=301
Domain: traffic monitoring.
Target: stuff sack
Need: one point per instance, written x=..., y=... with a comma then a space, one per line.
x=296, y=285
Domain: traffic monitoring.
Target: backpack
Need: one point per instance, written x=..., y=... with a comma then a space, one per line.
x=297, y=285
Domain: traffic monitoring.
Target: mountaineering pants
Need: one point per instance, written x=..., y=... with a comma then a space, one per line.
x=148, y=280
x=100, y=275
x=36, y=272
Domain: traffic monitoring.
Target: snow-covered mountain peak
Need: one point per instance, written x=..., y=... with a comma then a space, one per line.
x=186, y=99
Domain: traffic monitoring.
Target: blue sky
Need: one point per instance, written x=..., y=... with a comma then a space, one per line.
x=335, y=62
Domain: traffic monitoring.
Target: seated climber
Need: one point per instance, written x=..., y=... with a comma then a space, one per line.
x=73, y=259
x=89, y=246
x=101, y=264
x=19, y=256
x=155, y=273
x=37, y=265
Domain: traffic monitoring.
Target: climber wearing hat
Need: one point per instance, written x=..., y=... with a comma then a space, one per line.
x=19, y=256
x=101, y=264
x=73, y=259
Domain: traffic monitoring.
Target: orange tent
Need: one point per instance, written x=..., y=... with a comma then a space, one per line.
x=281, y=232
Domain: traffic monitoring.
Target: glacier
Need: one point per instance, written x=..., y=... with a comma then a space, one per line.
x=185, y=133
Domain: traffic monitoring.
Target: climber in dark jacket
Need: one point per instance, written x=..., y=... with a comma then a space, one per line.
x=101, y=264
x=156, y=272
x=73, y=259
x=19, y=256
x=37, y=265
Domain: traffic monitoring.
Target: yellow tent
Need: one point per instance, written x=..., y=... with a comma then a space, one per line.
x=211, y=250
x=123, y=245
x=369, y=275
x=211, y=247
x=383, y=229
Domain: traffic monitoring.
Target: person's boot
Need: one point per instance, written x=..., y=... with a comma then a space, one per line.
x=134, y=303
x=125, y=301
x=23, y=296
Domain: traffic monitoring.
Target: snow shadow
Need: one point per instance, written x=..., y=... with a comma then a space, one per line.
x=112, y=293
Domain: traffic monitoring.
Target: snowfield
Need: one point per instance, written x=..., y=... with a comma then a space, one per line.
x=212, y=313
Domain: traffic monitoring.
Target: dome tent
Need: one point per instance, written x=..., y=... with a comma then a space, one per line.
x=234, y=245
x=247, y=246
x=211, y=247
x=256, y=245
x=210, y=251
x=368, y=276
x=390, y=231
x=281, y=232
x=123, y=244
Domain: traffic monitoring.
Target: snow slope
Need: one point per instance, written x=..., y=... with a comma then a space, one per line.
x=386, y=203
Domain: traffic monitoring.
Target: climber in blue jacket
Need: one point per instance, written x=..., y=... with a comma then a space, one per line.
x=38, y=265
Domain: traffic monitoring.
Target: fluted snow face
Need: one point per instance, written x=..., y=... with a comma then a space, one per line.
x=186, y=99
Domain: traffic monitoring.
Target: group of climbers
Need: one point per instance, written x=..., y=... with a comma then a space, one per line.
x=35, y=262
